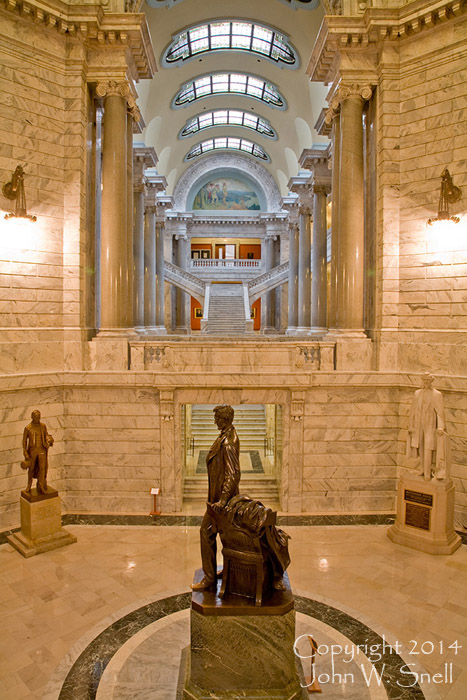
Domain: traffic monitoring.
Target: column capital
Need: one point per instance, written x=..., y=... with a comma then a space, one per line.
x=351, y=91
x=269, y=237
x=305, y=210
x=181, y=237
x=322, y=188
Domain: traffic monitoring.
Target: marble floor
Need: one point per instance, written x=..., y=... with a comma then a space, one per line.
x=55, y=606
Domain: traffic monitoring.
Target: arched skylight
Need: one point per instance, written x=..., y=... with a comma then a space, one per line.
x=229, y=142
x=234, y=83
x=227, y=36
x=230, y=117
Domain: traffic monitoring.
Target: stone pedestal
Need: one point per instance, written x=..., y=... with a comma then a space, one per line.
x=41, y=524
x=425, y=515
x=239, y=650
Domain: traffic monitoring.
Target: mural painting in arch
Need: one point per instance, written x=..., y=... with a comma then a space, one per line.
x=226, y=193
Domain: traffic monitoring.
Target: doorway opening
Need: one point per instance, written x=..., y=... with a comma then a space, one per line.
x=259, y=428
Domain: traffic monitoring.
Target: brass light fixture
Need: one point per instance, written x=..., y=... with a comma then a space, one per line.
x=15, y=190
x=448, y=195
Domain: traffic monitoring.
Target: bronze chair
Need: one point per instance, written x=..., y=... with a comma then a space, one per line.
x=246, y=560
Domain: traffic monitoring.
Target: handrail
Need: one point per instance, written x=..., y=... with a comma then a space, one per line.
x=224, y=263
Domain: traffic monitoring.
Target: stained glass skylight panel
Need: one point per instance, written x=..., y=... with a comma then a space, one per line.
x=231, y=35
x=231, y=117
x=234, y=83
x=227, y=142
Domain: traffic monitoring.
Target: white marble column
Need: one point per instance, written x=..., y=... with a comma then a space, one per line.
x=304, y=271
x=150, y=267
x=293, y=279
x=181, y=296
x=269, y=297
x=113, y=277
x=319, y=281
x=350, y=273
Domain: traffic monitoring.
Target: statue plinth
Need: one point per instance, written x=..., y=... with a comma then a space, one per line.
x=240, y=650
x=425, y=515
x=41, y=524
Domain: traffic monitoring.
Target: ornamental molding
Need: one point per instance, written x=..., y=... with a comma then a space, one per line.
x=346, y=92
x=294, y=4
x=244, y=165
x=338, y=33
x=91, y=24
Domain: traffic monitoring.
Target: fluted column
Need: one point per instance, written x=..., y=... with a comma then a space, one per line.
x=113, y=273
x=350, y=278
x=293, y=279
x=181, y=297
x=150, y=268
x=269, y=297
x=304, y=271
x=319, y=261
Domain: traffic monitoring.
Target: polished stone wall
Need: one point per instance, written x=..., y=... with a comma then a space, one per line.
x=422, y=275
x=118, y=435
x=42, y=128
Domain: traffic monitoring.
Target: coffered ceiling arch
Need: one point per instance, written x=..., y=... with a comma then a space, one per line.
x=293, y=125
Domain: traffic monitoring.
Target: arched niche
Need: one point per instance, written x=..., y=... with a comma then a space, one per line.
x=235, y=167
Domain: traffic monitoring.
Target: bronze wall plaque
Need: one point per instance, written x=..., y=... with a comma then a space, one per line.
x=425, y=499
x=417, y=516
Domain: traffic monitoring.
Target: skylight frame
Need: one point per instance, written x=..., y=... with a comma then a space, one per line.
x=227, y=143
x=222, y=82
x=220, y=35
x=234, y=117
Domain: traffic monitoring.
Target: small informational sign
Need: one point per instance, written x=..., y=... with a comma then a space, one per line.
x=424, y=499
x=417, y=516
x=155, y=492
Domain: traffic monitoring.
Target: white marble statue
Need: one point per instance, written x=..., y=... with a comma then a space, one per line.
x=428, y=447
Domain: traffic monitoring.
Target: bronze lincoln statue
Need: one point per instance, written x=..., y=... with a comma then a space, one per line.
x=223, y=465
x=247, y=528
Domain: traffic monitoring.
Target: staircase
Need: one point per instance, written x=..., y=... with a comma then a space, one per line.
x=226, y=310
x=250, y=423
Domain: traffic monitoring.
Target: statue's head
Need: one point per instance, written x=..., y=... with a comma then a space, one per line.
x=223, y=416
x=36, y=416
x=427, y=379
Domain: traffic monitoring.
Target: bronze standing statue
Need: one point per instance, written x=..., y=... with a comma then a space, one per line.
x=255, y=551
x=36, y=443
x=223, y=465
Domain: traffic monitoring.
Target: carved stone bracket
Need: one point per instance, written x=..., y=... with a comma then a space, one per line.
x=167, y=405
x=297, y=405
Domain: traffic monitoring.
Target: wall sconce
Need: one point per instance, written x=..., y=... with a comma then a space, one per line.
x=448, y=195
x=15, y=190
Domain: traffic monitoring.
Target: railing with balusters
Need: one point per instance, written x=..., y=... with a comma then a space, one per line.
x=224, y=263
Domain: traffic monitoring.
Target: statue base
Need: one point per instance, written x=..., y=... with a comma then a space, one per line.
x=239, y=650
x=41, y=524
x=425, y=515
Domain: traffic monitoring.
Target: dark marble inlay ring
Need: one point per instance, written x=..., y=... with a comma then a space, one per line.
x=84, y=677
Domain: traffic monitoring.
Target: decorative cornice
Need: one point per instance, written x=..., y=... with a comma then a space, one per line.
x=312, y=157
x=341, y=33
x=146, y=155
x=95, y=27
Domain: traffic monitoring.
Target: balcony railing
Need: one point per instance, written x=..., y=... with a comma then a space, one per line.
x=224, y=263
